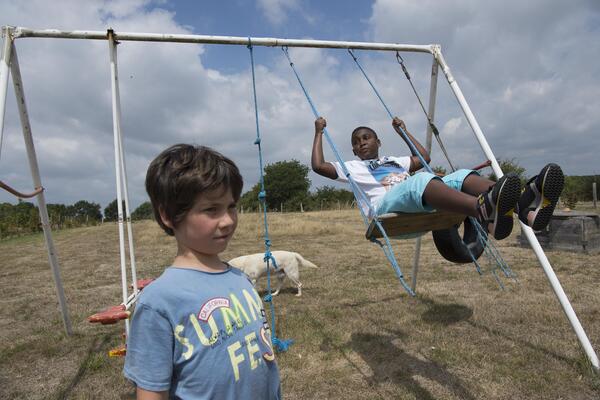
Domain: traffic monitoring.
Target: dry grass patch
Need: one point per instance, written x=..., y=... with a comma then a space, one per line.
x=357, y=334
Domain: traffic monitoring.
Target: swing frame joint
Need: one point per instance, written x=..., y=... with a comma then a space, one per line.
x=110, y=34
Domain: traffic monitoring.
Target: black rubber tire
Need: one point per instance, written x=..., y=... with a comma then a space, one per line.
x=456, y=249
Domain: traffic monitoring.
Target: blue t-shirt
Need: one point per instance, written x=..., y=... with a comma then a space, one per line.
x=202, y=335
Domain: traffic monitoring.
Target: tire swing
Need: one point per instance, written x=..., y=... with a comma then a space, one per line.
x=456, y=248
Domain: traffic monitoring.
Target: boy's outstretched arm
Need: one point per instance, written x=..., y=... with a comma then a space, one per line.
x=415, y=162
x=318, y=163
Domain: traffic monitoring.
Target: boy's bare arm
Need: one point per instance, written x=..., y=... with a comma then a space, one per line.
x=318, y=163
x=148, y=395
x=415, y=162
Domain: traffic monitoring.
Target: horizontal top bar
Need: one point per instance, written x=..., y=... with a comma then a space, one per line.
x=20, y=32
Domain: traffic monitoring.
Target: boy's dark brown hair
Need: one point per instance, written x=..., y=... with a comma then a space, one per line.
x=180, y=173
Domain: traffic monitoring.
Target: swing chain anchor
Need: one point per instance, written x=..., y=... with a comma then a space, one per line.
x=401, y=62
x=352, y=54
x=285, y=50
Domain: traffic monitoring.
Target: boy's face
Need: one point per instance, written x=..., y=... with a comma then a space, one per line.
x=365, y=144
x=209, y=225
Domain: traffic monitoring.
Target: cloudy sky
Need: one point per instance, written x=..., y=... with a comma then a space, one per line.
x=529, y=71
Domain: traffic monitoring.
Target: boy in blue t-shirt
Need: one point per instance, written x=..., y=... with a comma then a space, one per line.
x=390, y=187
x=199, y=331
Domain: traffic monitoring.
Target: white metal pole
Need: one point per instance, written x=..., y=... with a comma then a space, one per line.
x=431, y=115
x=21, y=32
x=127, y=210
x=35, y=174
x=561, y=295
x=123, y=165
x=4, y=72
x=114, y=86
x=533, y=241
x=432, y=100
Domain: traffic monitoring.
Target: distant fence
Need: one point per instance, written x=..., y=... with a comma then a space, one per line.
x=321, y=206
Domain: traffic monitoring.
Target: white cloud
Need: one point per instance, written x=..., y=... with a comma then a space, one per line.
x=451, y=126
x=532, y=92
x=276, y=10
x=524, y=68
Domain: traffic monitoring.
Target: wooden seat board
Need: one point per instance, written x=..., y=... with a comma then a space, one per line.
x=398, y=224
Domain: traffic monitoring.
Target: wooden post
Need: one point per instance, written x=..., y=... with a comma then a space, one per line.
x=595, y=194
x=301, y=208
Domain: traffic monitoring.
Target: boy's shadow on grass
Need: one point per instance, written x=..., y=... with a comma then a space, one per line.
x=98, y=345
x=445, y=314
x=390, y=363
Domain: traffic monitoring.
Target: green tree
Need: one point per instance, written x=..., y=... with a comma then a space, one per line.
x=56, y=214
x=249, y=200
x=86, y=211
x=17, y=219
x=286, y=182
x=328, y=196
x=144, y=211
x=510, y=165
x=111, y=213
x=570, y=195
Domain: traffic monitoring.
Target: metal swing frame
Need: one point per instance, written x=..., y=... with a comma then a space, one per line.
x=9, y=63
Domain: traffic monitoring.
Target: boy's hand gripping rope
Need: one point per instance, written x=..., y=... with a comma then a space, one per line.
x=358, y=192
x=491, y=253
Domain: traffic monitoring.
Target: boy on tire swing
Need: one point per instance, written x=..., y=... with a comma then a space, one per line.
x=390, y=188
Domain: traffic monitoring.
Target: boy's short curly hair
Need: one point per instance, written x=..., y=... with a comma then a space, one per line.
x=360, y=128
x=180, y=173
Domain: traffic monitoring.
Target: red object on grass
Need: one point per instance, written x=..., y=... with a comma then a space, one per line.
x=142, y=283
x=118, y=351
x=111, y=315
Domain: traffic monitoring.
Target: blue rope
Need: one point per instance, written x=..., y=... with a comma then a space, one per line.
x=490, y=250
x=280, y=345
x=359, y=194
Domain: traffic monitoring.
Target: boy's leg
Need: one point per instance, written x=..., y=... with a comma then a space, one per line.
x=495, y=201
x=442, y=197
x=496, y=206
x=539, y=197
x=468, y=181
x=476, y=184
x=425, y=192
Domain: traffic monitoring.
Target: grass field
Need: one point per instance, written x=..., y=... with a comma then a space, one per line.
x=357, y=334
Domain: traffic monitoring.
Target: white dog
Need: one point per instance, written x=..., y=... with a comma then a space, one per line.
x=288, y=263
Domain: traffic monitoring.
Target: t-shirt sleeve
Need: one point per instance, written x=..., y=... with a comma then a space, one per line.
x=404, y=162
x=340, y=172
x=149, y=357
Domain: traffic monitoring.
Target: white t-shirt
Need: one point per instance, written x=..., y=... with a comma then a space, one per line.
x=375, y=177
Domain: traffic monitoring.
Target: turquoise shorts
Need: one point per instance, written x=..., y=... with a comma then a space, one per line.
x=407, y=196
